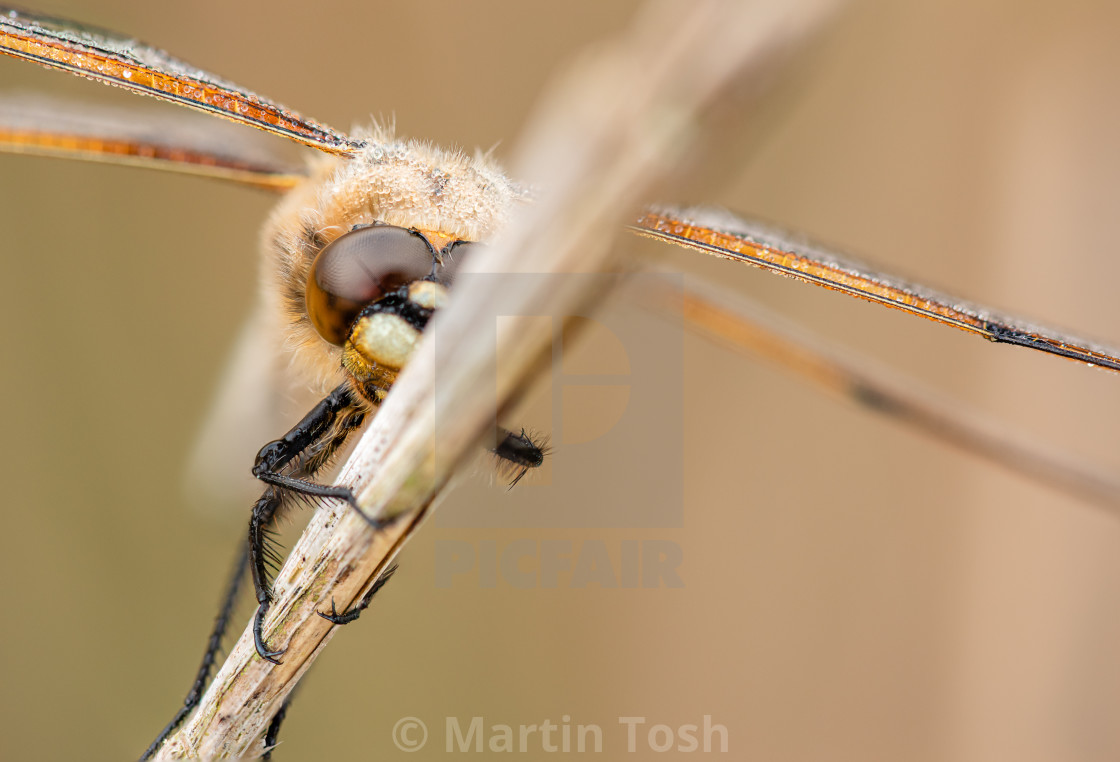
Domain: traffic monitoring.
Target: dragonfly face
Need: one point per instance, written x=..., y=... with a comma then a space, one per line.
x=360, y=229
x=965, y=554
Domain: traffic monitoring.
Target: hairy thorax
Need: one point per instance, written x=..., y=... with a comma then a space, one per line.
x=397, y=182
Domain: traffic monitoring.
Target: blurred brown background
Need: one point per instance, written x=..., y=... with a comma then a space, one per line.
x=852, y=590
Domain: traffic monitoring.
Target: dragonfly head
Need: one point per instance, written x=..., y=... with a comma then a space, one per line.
x=373, y=290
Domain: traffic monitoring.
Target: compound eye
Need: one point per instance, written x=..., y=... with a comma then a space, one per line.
x=359, y=268
x=452, y=259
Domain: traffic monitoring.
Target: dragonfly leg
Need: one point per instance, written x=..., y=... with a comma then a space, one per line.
x=264, y=513
x=221, y=624
x=273, y=731
x=518, y=453
x=305, y=450
x=347, y=617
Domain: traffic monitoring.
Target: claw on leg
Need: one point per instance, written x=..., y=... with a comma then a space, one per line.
x=258, y=636
x=347, y=617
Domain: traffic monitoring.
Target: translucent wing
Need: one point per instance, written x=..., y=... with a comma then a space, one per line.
x=723, y=235
x=257, y=400
x=125, y=62
x=172, y=141
x=732, y=320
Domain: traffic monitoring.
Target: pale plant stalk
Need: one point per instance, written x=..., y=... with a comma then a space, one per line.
x=607, y=134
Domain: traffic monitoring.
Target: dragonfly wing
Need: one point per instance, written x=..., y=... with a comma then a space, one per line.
x=125, y=62
x=171, y=141
x=736, y=321
x=724, y=235
x=257, y=401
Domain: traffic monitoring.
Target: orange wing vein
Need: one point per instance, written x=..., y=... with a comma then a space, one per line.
x=722, y=235
x=174, y=141
x=125, y=62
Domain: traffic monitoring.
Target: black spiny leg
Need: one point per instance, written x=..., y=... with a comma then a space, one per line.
x=303, y=451
x=213, y=645
x=264, y=512
x=518, y=453
x=274, y=728
x=347, y=617
x=312, y=437
x=308, y=446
